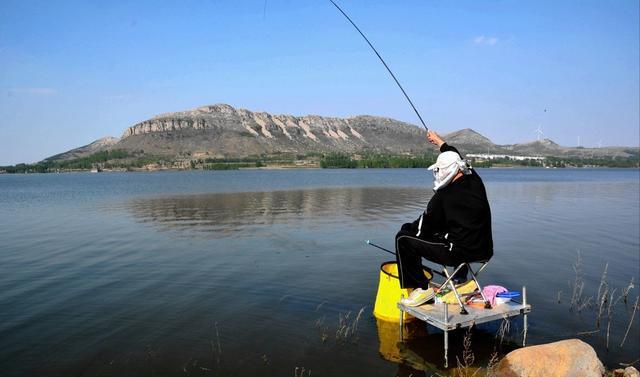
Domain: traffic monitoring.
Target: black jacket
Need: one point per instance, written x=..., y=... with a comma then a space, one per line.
x=459, y=213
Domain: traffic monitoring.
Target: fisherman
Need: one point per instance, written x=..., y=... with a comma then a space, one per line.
x=455, y=228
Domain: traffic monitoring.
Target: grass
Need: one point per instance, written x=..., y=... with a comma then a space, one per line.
x=603, y=304
x=465, y=366
x=301, y=372
x=348, y=327
x=635, y=307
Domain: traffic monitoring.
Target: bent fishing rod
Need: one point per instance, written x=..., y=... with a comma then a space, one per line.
x=384, y=63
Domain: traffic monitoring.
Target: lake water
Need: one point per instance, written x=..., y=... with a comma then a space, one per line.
x=245, y=273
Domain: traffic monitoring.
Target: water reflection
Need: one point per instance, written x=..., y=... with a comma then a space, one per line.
x=225, y=213
x=421, y=353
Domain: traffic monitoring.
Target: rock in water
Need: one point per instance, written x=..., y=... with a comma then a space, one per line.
x=631, y=372
x=571, y=357
x=626, y=372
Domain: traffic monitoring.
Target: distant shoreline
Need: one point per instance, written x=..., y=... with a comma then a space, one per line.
x=274, y=168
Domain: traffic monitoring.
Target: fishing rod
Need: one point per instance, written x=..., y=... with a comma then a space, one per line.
x=385, y=65
x=394, y=254
x=380, y=247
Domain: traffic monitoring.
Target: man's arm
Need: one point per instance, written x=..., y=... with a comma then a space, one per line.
x=436, y=140
x=449, y=148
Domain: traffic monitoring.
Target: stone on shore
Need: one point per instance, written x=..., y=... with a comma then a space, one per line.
x=571, y=357
x=626, y=372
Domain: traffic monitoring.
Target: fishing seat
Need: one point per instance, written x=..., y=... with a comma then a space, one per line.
x=449, y=280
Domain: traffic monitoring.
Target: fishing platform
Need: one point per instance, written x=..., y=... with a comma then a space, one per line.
x=446, y=318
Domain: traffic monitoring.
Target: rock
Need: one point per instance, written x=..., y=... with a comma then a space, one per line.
x=631, y=372
x=627, y=372
x=571, y=357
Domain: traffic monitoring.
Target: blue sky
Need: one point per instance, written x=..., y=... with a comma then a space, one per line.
x=74, y=71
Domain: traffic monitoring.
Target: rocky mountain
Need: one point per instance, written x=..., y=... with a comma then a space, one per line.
x=99, y=145
x=221, y=131
x=470, y=141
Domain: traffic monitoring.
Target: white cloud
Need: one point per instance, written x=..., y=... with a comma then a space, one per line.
x=484, y=40
x=41, y=91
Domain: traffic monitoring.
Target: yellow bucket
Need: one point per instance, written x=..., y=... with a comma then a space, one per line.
x=389, y=293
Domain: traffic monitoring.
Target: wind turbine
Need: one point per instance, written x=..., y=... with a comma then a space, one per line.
x=539, y=132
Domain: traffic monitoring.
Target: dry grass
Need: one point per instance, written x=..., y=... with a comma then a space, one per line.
x=625, y=292
x=322, y=329
x=465, y=366
x=605, y=301
x=604, y=286
x=301, y=372
x=348, y=327
x=216, y=353
x=504, y=329
x=578, y=283
x=635, y=307
x=493, y=363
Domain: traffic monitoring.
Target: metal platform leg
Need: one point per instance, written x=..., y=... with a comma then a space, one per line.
x=524, y=316
x=446, y=335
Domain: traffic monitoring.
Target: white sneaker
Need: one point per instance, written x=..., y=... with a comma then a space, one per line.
x=418, y=297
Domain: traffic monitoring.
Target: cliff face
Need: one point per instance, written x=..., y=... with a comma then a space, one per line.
x=221, y=130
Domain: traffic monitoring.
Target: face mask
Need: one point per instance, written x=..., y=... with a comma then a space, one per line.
x=444, y=175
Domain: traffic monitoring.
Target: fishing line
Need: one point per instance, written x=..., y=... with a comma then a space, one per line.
x=385, y=65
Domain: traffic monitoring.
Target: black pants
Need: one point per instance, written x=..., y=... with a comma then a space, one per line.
x=409, y=253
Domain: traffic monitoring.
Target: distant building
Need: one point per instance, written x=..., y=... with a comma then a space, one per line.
x=486, y=156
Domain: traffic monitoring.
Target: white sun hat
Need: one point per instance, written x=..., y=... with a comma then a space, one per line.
x=446, y=167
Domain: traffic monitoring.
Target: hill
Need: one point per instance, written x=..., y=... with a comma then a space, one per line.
x=222, y=132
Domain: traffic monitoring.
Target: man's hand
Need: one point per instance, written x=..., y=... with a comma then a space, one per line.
x=435, y=139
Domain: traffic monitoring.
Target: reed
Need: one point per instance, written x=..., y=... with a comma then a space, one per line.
x=578, y=283
x=603, y=286
x=604, y=302
x=216, y=349
x=601, y=303
x=464, y=366
x=610, y=315
x=301, y=372
x=633, y=314
x=492, y=364
x=625, y=292
x=504, y=329
x=348, y=326
x=322, y=329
